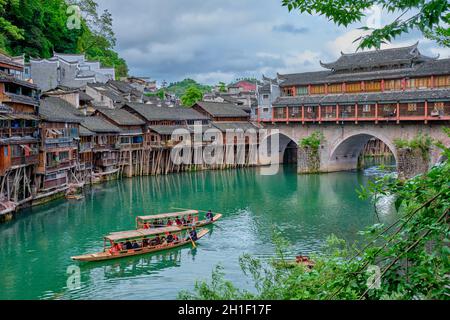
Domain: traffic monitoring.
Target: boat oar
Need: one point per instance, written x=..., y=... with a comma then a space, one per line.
x=193, y=243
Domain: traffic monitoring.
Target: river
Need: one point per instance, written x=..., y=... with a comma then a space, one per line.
x=35, y=248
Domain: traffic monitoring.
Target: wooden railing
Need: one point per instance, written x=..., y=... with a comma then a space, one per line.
x=20, y=161
x=61, y=165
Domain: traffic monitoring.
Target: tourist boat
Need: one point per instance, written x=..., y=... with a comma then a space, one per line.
x=140, y=235
x=160, y=220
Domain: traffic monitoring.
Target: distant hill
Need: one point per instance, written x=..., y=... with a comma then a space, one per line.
x=180, y=87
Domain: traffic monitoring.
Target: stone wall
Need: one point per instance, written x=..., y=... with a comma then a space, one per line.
x=308, y=160
x=411, y=162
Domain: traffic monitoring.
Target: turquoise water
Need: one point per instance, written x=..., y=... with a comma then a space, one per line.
x=36, y=248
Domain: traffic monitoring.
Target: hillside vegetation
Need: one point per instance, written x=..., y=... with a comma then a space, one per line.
x=37, y=28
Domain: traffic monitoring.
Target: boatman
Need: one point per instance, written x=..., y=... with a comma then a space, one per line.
x=193, y=234
x=210, y=216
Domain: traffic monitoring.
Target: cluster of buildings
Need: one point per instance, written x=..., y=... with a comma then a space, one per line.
x=66, y=122
x=61, y=131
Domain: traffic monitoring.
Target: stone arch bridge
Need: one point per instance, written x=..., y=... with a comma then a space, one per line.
x=344, y=143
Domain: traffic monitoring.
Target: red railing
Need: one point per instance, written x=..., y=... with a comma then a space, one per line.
x=424, y=111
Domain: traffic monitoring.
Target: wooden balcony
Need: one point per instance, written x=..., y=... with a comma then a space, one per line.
x=67, y=164
x=106, y=162
x=25, y=161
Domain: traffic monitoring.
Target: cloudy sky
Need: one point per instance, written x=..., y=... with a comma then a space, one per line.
x=221, y=40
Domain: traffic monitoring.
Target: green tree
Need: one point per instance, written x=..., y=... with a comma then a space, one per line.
x=431, y=17
x=222, y=87
x=191, y=96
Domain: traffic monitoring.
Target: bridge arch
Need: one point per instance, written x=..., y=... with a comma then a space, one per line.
x=344, y=153
x=288, y=147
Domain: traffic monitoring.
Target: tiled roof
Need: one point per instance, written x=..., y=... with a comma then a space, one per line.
x=106, y=91
x=224, y=126
x=121, y=86
x=4, y=77
x=391, y=96
x=152, y=112
x=167, y=130
x=20, y=98
x=84, y=132
x=98, y=125
x=434, y=67
x=220, y=109
x=53, y=109
x=395, y=56
x=121, y=117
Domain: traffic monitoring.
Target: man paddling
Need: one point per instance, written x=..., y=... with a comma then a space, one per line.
x=210, y=216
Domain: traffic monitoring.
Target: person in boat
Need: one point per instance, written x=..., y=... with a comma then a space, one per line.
x=144, y=242
x=193, y=234
x=156, y=241
x=189, y=219
x=146, y=225
x=178, y=222
x=114, y=248
x=210, y=216
x=170, y=238
x=184, y=222
x=122, y=246
x=163, y=241
x=169, y=223
x=136, y=245
x=128, y=245
x=175, y=238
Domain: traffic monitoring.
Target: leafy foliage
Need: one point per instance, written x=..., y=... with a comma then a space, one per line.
x=420, y=142
x=179, y=88
x=313, y=141
x=191, y=96
x=37, y=28
x=431, y=17
x=408, y=259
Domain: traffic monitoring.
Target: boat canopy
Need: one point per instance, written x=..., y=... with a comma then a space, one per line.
x=134, y=234
x=168, y=215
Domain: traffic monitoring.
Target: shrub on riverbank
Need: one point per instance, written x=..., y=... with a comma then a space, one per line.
x=406, y=260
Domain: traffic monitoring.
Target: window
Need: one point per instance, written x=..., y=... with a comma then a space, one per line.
x=366, y=108
x=353, y=87
x=63, y=155
x=439, y=106
x=442, y=81
x=393, y=85
x=412, y=107
x=372, y=86
x=265, y=109
x=335, y=88
x=265, y=96
x=319, y=89
x=301, y=91
x=288, y=92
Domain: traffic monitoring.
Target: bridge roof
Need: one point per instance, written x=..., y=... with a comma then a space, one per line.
x=380, y=97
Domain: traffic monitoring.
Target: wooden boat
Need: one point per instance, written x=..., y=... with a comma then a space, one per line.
x=299, y=261
x=74, y=197
x=141, y=235
x=154, y=221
